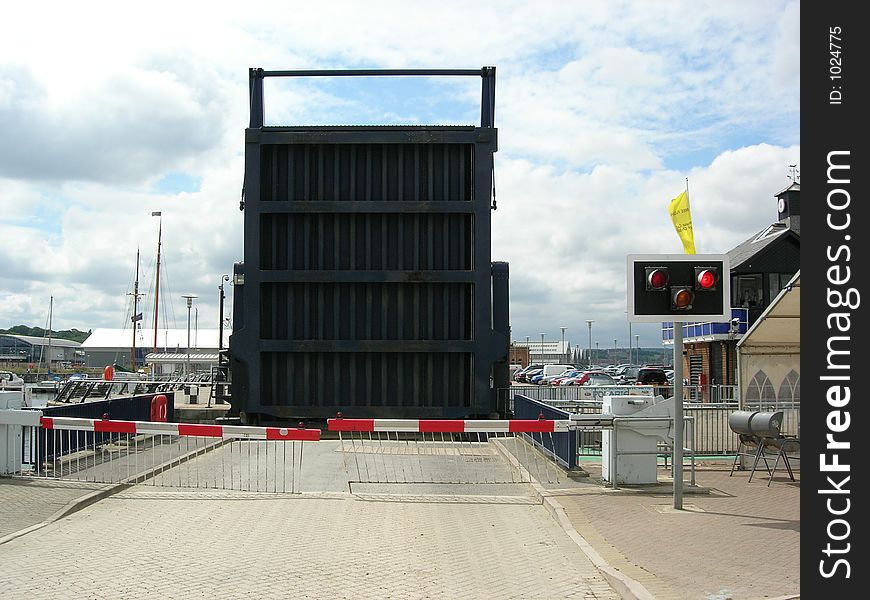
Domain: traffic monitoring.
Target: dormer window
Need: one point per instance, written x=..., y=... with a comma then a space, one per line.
x=770, y=231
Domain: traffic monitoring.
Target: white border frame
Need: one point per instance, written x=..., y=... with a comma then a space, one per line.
x=723, y=317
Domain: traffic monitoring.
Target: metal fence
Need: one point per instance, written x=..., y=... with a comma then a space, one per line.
x=373, y=451
x=165, y=454
x=454, y=451
x=547, y=393
x=709, y=436
x=468, y=455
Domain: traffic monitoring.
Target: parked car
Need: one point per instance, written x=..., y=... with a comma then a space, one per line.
x=651, y=376
x=591, y=378
x=556, y=369
x=565, y=375
x=521, y=374
x=628, y=376
x=536, y=379
x=529, y=375
x=599, y=379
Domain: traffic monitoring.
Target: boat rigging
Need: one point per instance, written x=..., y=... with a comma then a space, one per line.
x=137, y=316
x=159, y=215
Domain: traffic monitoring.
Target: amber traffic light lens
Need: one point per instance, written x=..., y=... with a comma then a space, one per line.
x=681, y=298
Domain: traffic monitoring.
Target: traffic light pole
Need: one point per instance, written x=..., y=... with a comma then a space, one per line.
x=678, y=416
x=678, y=289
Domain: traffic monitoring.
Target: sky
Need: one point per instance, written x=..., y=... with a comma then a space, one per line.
x=111, y=111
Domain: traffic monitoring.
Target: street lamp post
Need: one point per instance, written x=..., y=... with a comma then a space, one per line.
x=542, y=348
x=589, y=322
x=189, y=299
x=637, y=347
x=564, y=353
x=528, y=350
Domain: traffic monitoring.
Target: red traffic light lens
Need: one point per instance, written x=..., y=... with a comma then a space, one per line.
x=656, y=278
x=682, y=298
x=706, y=279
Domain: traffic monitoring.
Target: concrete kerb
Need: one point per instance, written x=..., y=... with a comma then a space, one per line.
x=625, y=586
x=109, y=490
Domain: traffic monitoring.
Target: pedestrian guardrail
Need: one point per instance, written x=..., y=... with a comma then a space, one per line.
x=162, y=454
x=711, y=435
x=270, y=459
x=452, y=452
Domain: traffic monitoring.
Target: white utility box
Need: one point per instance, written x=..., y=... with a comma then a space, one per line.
x=636, y=442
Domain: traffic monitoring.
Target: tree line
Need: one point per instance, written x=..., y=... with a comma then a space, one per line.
x=67, y=334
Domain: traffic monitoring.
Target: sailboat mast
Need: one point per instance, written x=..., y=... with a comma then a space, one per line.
x=157, y=281
x=135, y=311
x=50, y=307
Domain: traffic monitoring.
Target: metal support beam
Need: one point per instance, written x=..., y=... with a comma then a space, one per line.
x=678, y=416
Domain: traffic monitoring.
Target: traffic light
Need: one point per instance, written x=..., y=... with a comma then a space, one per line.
x=679, y=288
x=706, y=278
x=682, y=298
x=656, y=278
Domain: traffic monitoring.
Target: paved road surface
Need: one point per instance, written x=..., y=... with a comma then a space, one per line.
x=158, y=543
x=384, y=541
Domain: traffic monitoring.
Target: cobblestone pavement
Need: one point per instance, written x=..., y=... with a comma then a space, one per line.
x=24, y=502
x=154, y=543
x=740, y=541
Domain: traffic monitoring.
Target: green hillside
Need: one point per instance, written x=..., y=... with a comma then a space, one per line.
x=68, y=334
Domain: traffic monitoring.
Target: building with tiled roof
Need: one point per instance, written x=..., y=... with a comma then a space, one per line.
x=761, y=267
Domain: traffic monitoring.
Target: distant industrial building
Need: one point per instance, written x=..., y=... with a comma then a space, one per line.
x=544, y=352
x=171, y=355
x=519, y=355
x=38, y=350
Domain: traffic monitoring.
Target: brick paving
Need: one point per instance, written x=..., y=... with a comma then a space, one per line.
x=740, y=542
x=24, y=503
x=147, y=543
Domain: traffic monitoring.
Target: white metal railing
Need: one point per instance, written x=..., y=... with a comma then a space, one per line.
x=711, y=435
x=165, y=454
x=456, y=452
x=270, y=459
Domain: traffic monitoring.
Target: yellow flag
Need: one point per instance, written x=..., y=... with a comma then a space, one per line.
x=682, y=219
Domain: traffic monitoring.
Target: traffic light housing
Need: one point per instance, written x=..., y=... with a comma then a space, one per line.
x=678, y=288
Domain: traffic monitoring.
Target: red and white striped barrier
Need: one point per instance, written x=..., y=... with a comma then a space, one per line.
x=449, y=425
x=181, y=429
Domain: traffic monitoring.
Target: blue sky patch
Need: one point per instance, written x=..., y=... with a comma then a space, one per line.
x=176, y=182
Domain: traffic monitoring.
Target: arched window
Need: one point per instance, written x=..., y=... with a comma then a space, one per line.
x=760, y=392
x=790, y=390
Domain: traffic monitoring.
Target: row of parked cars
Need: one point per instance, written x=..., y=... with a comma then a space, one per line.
x=563, y=375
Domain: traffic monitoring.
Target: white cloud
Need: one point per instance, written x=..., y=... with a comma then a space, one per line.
x=603, y=109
